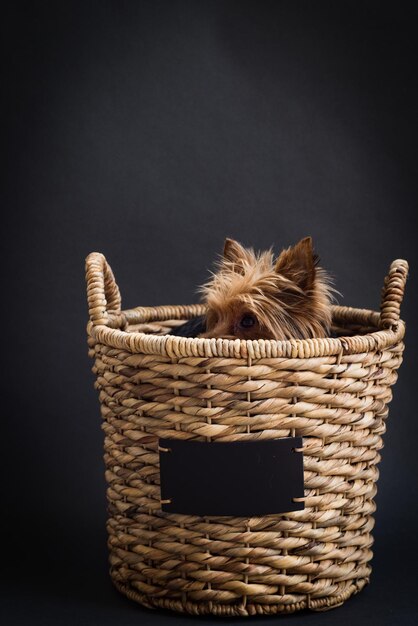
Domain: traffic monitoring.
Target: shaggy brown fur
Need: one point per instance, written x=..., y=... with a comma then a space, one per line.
x=253, y=296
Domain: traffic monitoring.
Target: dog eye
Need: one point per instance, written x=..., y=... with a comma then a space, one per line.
x=247, y=321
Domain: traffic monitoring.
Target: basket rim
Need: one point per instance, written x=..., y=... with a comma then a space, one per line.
x=113, y=335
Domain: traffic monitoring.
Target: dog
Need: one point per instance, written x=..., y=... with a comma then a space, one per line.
x=255, y=296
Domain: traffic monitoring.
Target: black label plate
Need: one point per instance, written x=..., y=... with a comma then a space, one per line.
x=240, y=478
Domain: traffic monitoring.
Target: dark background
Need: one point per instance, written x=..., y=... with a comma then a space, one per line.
x=149, y=131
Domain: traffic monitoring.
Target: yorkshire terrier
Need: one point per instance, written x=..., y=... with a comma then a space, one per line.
x=255, y=296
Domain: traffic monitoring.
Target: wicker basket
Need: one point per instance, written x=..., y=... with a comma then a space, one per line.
x=333, y=392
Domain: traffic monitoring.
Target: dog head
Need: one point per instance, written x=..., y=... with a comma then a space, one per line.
x=254, y=296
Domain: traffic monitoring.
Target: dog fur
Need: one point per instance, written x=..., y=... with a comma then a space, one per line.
x=255, y=296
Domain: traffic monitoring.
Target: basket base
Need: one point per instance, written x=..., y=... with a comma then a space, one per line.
x=239, y=610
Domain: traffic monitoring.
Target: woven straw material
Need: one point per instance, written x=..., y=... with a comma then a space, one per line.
x=333, y=392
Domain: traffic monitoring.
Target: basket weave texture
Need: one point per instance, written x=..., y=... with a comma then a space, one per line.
x=333, y=392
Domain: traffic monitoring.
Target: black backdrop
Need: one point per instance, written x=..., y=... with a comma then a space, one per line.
x=149, y=131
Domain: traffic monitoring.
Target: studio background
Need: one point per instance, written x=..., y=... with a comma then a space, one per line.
x=149, y=131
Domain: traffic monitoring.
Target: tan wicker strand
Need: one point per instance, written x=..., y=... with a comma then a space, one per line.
x=207, y=519
x=392, y=293
x=102, y=291
x=332, y=392
x=247, y=525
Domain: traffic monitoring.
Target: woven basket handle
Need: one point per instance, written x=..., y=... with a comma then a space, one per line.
x=102, y=291
x=392, y=293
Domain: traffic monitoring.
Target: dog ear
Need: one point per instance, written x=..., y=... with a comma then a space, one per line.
x=236, y=257
x=297, y=263
x=233, y=251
